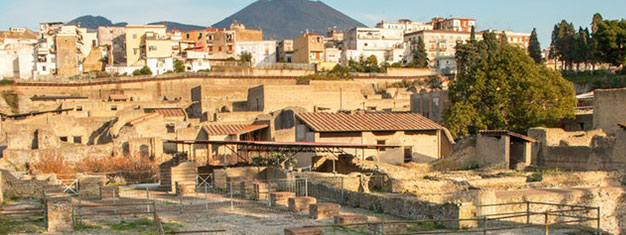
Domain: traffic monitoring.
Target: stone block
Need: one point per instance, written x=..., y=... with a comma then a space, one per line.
x=350, y=219
x=185, y=189
x=59, y=215
x=109, y=192
x=303, y=231
x=324, y=210
x=297, y=204
x=281, y=198
x=261, y=191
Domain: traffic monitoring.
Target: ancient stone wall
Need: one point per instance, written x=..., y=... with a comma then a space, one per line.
x=609, y=108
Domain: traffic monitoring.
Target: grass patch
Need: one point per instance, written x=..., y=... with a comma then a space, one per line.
x=424, y=226
x=598, y=80
x=80, y=227
x=133, y=225
x=9, y=226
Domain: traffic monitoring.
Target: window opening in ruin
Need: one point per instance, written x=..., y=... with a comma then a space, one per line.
x=79, y=108
x=171, y=128
x=408, y=154
x=381, y=142
x=113, y=107
x=78, y=140
x=63, y=138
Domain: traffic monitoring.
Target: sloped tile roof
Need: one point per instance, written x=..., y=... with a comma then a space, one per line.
x=341, y=122
x=224, y=129
x=251, y=128
x=505, y=132
x=170, y=112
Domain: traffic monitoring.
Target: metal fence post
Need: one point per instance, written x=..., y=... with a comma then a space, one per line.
x=527, y=212
x=306, y=187
x=342, y=190
x=206, y=197
x=269, y=193
x=231, y=196
x=148, y=199
x=547, y=229
x=484, y=225
x=180, y=197
x=599, y=232
x=80, y=202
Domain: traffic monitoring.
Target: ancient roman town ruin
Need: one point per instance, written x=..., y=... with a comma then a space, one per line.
x=261, y=153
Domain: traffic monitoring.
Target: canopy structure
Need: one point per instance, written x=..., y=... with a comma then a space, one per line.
x=288, y=148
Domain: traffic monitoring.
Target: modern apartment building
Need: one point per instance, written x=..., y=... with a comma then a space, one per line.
x=221, y=43
x=308, y=48
x=284, y=51
x=453, y=24
x=16, y=52
x=386, y=44
x=407, y=26
x=149, y=45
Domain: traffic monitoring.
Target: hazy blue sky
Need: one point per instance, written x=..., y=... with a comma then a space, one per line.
x=490, y=14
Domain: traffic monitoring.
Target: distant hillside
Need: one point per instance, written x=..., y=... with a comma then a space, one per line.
x=93, y=22
x=173, y=25
x=282, y=19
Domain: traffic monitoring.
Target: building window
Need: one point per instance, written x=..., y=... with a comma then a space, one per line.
x=381, y=142
x=77, y=139
x=187, y=36
x=230, y=48
x=113, y=107
x=134, y=36
x=219, y=48
x=63, y=139
x=211, y=49
x=79, y=108
x=152, y=48
x=135, y=51
x=170, y=128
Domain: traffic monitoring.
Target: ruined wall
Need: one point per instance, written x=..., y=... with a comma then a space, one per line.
x=609, y=108
x=492, y=152
x=592, y=150
x=17, y=159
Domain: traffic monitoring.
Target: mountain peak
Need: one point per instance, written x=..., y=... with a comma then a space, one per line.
x=93, y=22
x=289, y=18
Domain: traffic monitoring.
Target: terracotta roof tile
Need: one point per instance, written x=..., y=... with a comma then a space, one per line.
x=224, y=129
x=339, y=122
x=251, y=128
x=169, y=112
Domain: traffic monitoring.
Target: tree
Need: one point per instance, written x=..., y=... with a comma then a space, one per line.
x=420, y=57
x=595, y=21
x=563, y=43
x=471, y=52
x=610, y=39
x=179, y=66
x=143, y=71
x=245, y=56
x=583, y=49
x=508, y=90
x=534, y=49
x=473, y=34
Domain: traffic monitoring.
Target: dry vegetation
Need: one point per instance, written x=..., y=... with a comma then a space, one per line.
x=135, y=168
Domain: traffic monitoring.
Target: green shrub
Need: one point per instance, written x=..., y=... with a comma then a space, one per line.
x=143, y=71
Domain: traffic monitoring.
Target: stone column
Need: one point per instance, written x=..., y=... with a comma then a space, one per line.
x=59, y=215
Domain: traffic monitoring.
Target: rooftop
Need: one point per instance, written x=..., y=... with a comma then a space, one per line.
x=341, y=122
x=505, y=132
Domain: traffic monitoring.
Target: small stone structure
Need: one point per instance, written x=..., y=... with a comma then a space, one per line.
x=281, y=198
x=109, y=192
x=303, y=231
x=59, y=215
x=261, y=191
x=297, y=204
x=350, y=219
x=324, y=210
x=184, y=174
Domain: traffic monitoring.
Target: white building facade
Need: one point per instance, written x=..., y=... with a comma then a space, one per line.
x=386, y=44
x=263, y=52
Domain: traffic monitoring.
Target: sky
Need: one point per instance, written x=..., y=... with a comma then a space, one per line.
x=519, y=16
